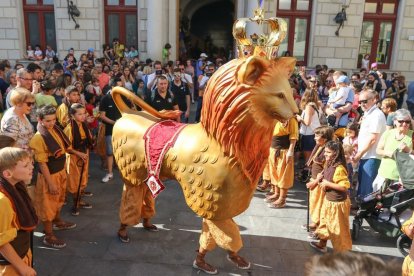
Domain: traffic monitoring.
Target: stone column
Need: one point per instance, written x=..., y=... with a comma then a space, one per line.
x=155, y=36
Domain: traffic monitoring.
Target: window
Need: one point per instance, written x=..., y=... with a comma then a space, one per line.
x=39, y=22
x=297, y=14
x=378, y=31
x=121, y=21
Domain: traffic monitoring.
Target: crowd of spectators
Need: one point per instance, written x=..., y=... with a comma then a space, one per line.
x=364, y=109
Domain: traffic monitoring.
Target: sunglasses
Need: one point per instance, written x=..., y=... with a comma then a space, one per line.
x=363, y=101
x=29, y=104
x=408, y=122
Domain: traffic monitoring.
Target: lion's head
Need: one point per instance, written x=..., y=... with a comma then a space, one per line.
x=241, y=103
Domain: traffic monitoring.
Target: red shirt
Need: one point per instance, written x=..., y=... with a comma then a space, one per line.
x=89, y=109
x=103, y=80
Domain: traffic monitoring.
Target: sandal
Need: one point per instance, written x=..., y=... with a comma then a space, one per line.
x=312, y=227
x=123, y=237
x=272, y=198
x=209, y=269
x=239, y=261
x=263, y=187
x=52, y=241
x=201, y=264
x=64, y=225
x=318, y=247
x=280, y=203
x=151, y=228
x=313, y=236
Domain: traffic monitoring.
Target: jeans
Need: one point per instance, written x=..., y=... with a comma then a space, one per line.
x=410, y=107
x=198, y=111
x=183, y=119
x=367, y=172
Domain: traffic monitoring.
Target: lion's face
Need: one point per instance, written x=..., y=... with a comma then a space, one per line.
x=271, y=96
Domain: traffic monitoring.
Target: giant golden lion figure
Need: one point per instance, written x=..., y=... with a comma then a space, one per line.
x=219, y=160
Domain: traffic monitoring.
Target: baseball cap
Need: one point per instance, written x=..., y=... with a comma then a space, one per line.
x=203, y=55
x=342, y=79
x=374, y=65
x=90, y=49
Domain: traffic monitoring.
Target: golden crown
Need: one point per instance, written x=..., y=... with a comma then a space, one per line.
x=259, y=45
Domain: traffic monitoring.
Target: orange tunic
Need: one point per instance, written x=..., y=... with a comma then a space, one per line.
x=74, y=164
x=48, y=206
x=281, y=173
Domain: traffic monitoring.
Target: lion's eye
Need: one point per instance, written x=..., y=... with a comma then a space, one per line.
x=280, y=95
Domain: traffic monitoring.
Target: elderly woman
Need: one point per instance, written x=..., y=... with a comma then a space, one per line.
x=14, y=122
x=398, y=138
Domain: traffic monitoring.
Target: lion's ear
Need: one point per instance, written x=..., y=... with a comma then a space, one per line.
x=251, y=70
x=286, y=65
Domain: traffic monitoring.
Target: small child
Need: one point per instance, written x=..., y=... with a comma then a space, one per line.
x=338, y=99
x=38, y=54
x=72, y=95
x=30, y=53
x=93, y=113
x=351, y=139
x=81, y=142
x=17, y=217
x=49, y=145
x=334, y=218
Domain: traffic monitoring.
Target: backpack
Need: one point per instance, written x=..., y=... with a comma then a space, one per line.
x=321, y=116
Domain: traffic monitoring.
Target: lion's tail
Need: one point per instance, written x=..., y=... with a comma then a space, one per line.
x=118, y=92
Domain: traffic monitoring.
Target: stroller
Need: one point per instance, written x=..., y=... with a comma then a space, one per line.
x=386, y=210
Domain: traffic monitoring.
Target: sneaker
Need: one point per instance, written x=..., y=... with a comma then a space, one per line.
x=107, y=177
x=86, y=194
x=74, y=211
x=85, y=205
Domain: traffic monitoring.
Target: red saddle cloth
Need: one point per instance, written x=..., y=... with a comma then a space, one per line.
x=159, y=138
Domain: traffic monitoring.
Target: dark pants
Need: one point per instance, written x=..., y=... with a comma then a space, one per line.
x=367, y=172
x=410, y=107
x=198, y=111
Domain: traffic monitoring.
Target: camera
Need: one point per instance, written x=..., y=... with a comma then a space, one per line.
x=158, y=72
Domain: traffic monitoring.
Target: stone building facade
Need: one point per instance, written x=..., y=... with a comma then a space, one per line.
x=157, y=22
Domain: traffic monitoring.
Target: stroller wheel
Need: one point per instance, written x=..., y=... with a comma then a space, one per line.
x=404, y=244
x=356, y=226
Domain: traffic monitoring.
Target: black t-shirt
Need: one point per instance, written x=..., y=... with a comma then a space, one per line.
x=159, y=103
x=180, y=93
x=108, y=106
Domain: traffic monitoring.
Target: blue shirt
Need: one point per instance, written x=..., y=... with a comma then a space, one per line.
x=343, y=121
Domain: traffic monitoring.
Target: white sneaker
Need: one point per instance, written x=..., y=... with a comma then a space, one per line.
x=107, y=177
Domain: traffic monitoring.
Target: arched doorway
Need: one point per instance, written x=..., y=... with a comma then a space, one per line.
x=206, y=27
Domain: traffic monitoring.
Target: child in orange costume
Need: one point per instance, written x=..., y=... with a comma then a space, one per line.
x=18, y=217
x=334, y=217
x=78, y=164
x=72, y=95
x=49, y=145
